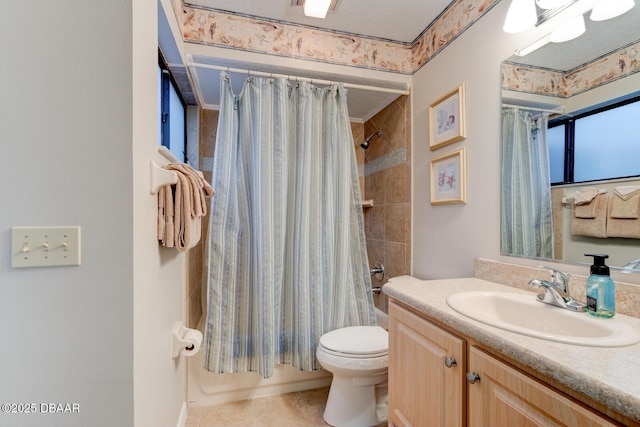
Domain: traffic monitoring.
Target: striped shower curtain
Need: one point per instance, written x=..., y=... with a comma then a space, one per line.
x=526, y=219
x=287, y=257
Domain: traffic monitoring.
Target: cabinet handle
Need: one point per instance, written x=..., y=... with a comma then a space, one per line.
x=473, y=377
x=450, y=362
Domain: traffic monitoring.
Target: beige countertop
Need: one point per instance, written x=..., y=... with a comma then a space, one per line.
x=610, y=376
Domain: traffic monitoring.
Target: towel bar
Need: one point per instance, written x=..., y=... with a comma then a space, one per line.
x=160, y=177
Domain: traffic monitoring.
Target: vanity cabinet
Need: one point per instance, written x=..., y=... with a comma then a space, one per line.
x=426, y=373
x=428, y=388
x=505, y=396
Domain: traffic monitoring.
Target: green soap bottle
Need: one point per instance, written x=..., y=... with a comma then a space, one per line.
x=601, y=291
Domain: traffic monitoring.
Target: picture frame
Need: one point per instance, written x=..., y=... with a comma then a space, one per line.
x=449, y=178
x=447, y=119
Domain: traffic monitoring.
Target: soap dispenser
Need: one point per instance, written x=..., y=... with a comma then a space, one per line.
x=601, y=292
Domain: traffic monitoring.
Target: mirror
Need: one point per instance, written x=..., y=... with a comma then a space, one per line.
x=530, y=82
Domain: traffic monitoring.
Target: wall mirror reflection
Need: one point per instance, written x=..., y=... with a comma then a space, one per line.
x=571, y=146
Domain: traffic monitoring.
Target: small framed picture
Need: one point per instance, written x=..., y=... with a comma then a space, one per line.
x=446, y=119
x=448, y=178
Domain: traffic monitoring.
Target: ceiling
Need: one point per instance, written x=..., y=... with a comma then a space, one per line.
x=601, y=38
x=399, y=21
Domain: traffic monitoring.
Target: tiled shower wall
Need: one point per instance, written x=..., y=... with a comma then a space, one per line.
x=387, y=177
x=195, y=280
x=384, y=177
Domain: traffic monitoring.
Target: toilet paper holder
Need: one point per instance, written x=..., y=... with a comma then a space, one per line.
x=184, y=340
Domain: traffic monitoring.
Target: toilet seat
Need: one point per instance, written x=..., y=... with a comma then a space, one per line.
x=356, y=342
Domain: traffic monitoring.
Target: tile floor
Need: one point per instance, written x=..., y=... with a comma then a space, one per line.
x=299, y=409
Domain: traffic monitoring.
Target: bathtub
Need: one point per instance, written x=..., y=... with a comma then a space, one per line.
x=207, y=388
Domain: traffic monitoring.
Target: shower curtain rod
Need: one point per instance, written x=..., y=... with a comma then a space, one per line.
x=557, y=110
x=191, y=63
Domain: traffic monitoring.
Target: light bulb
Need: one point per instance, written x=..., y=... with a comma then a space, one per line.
x=551, y=4
x=610, y=9
x=569, y=31
x=316, y=8
x=521, y=16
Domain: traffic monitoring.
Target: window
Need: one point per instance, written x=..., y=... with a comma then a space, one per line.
x=171, y=113
x=555, y=140
x=596, y=145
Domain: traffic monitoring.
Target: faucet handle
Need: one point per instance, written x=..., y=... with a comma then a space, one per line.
x=564, y=277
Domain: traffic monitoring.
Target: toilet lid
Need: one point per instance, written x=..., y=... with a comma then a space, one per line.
x=372, y=341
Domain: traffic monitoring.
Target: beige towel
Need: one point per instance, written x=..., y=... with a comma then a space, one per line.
x=625, y=202
x=628, y=227
x=585, y=203
x=165, y=216
x=585, y=195
x=181, y=210
x=595, y=226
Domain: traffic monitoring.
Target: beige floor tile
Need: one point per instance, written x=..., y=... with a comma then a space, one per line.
x=193, y=417
x=299, y=409
x=233, y=414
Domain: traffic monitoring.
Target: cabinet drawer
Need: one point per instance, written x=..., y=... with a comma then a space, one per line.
x=507, y=397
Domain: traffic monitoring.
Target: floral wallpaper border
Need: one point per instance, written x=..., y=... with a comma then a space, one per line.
x=541, y=81
x=227, y=30
x=222, y=29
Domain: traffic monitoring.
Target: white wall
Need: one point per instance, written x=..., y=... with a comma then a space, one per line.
x=77, y=130
x=159, y=273
x=446, y=239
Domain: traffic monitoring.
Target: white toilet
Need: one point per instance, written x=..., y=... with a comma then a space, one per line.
x=358, y=358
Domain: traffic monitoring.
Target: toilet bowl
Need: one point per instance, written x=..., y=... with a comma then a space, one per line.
x=358, y=358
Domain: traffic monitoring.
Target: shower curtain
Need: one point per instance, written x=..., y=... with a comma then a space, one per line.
x=526, y=186
x=287, y=257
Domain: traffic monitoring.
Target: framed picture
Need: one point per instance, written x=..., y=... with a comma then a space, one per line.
x=446, y=119
x=448, y=178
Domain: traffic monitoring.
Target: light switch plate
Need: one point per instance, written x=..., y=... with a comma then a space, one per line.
x=45, y=246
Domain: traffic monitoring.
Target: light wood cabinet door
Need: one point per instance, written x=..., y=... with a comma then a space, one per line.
x=423, y=390
x=506, y=397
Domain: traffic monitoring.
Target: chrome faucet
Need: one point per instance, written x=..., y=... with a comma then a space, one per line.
x=632, y=265
x=556, y=292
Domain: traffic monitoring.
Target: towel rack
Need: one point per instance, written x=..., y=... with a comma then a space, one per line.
x=567, y=200
x=160, y=177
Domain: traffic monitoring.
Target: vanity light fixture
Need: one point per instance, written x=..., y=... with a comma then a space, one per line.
x=533, y=46
x=570, y=21
x=521, y=16
x=552, y=4
x=316, y=8
x=610, y=9
x=569, y=31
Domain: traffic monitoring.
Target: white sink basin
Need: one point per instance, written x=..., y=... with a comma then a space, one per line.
x=524, y=315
